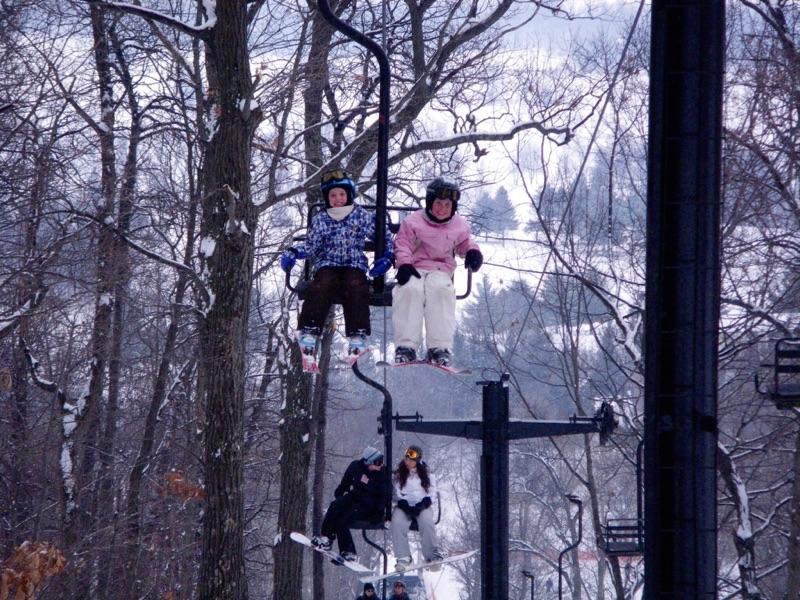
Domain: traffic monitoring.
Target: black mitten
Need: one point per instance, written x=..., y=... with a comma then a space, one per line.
x=473, y=260
x=405, y=272
x=404, y=506
x=424, y=503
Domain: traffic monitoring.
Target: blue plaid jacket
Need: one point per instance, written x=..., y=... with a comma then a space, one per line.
x=341, y=243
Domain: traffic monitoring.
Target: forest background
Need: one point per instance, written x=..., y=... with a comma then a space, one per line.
x=155, y=159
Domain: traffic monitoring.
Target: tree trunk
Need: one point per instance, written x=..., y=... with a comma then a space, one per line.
x=107, y=508
x=743, y=538
x=229, y=221
x=316, y=76
x=295, y=433
x=793, y=550
x=80, y=521
x=320, y=423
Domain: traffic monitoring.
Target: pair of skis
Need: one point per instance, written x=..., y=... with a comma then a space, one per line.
x=366, y=574
x=310, y=364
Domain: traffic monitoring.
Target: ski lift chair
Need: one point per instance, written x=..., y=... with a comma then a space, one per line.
x=625, y=537
x=784, y=390
x=380, y=296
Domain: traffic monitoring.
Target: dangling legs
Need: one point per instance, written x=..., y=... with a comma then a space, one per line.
x=408, y=302
x=427, y=530
x=400, y=525
x=440, y=313
x=318, y=298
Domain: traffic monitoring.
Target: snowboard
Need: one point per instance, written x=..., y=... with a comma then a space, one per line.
x=416, y=363
x=335, y=557
x=434, y=565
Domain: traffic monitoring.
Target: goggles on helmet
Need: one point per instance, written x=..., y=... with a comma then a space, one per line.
x=412, y=454
x=334, y=175
x=444, y=193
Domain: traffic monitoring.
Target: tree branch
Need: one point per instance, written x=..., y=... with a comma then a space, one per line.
x=200, y=31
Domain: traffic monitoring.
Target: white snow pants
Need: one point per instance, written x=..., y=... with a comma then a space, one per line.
x=400, y=527
x=432, y=298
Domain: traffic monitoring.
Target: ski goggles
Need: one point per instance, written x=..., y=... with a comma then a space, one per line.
x=412, y=454
x=334, y=175
x=448, y=194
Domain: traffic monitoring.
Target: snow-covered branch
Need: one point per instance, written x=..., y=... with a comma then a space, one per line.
x=760, y=313
x=201, y=31
x=744, y=539
x=71, y=411
x=9, y=323
x=482, y=136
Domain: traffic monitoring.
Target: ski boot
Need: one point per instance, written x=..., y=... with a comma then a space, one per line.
x=356, y=346
x=439, y=356
x=322, y=542
x=307, y=341
x=403, y=354
x=349, y=556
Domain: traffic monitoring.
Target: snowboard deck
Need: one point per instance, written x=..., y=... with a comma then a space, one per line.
x=422, y=566
x=417, y=363
x=335, y=557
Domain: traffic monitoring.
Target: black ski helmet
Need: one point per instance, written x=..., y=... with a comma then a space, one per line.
x=441, y=188
x=337, y=178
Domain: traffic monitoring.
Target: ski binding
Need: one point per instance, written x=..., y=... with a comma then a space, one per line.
x=335, y=557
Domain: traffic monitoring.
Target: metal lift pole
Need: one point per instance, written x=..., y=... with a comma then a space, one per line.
x=495, y=431
x=683, y=298
x=382, y=167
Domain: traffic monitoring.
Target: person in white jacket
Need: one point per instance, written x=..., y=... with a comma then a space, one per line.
x=414, y=489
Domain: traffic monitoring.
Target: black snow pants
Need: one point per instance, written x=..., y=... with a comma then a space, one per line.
x=340, y=514
x=346, y=284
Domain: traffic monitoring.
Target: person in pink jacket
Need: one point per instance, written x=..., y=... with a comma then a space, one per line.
x=425, y=250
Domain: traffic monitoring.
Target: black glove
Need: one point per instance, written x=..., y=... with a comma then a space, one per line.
x=423, y=504
x=403, y=505
x=473, y=260
x=405, y=272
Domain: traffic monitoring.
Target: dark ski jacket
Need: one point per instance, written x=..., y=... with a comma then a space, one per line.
x=374, y=597
x=403, y=596
x=371, y=496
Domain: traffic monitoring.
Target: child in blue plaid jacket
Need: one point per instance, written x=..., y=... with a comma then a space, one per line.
x=335, y=242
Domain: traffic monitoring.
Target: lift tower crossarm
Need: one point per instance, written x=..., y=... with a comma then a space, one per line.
x=495, y=431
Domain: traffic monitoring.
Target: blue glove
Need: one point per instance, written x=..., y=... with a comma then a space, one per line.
x=381, y=265
x=289, y=258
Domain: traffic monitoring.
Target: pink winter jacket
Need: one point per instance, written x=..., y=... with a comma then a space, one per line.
x=432, y=246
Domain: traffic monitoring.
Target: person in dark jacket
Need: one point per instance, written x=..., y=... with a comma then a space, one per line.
x=369, y=593
x=361, y=496
x=399, y=591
